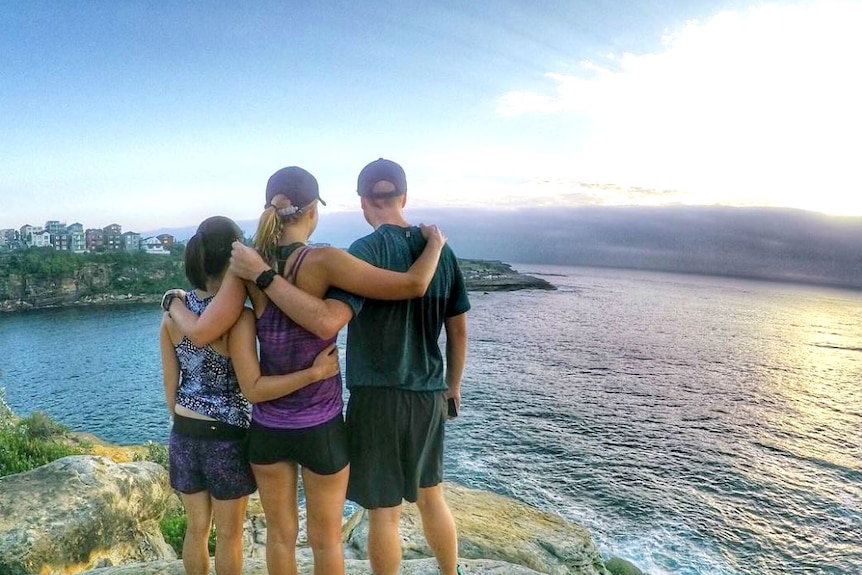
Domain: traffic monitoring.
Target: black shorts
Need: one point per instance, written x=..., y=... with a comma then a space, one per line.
x=395, y=443
x=321, y=449
x=209, y=456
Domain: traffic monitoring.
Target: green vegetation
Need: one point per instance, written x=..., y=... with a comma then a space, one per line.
x=173, y=526
x=157, y=453
x=30, y=442
x=44, y=275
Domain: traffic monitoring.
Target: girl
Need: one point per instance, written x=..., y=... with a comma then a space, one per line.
x=208, y=461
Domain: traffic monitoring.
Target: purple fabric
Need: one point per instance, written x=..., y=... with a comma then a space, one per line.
x=286, y=347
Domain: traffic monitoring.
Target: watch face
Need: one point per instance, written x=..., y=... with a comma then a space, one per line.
x=265, y=278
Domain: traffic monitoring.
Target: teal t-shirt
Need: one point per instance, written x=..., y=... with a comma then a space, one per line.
x=394, y=343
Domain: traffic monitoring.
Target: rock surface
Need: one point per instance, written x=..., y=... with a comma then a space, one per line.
x=491, y=526
x=89, y=514
x=352, y=567
x=82, y=512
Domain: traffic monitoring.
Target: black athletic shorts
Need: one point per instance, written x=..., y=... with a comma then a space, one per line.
x=395, y=443
x=321, y=449
x=209, y=456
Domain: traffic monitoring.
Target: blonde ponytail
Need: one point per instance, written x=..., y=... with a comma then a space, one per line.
x=271, y=224
x=268, y=234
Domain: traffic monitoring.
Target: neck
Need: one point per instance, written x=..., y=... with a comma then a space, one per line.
x=212, y=287
x=392, y=217
x=293, y=234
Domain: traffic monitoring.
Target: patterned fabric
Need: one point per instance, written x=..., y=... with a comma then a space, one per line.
x=208, y=383
x=218, y=466
x=286, y=347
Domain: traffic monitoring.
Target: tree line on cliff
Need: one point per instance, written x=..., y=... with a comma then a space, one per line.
x=37, y=277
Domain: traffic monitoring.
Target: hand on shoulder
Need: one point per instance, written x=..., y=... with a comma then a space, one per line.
x=433, y=234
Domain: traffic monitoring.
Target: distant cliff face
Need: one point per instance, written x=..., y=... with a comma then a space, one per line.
x=44, y=277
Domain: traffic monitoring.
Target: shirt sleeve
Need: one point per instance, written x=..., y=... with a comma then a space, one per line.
x=354, y=301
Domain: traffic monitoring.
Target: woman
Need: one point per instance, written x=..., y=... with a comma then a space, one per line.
x=208, y=462
x=302, y=430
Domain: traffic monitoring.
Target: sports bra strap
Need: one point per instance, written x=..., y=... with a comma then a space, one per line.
x=294, y=268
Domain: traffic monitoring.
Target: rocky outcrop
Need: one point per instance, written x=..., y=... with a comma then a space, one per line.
x=491, y=526
x=494, y=275
x=42, y=277
x=91, y=515
x=82, y=512
x=351, y=567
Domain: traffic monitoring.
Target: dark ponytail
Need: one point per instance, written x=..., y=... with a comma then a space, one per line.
x=207, y=253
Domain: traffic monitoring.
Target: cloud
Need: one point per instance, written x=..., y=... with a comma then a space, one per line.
x=747, y=108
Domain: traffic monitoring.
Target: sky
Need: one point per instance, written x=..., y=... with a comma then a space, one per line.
x=159, y=114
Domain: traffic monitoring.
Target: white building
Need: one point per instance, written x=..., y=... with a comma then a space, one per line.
x=152, y=245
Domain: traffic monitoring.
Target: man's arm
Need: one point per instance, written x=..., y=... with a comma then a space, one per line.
x=456, y=355
x=323, y=318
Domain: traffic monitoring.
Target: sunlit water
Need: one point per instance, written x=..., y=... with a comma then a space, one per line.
x=696, y=425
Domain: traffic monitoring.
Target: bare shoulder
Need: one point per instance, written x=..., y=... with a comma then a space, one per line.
x=325, y=254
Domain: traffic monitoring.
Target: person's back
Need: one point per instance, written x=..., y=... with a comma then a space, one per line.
x=398, y=381
x=394, y=344
x=285, y=347
x=208, y=384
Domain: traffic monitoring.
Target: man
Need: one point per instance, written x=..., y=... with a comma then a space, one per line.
x=398, y=382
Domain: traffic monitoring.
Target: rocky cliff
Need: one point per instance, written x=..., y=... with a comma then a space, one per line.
x=38, y=278
x=87, y=514
x=43, y=277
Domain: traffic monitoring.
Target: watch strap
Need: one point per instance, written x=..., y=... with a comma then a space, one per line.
x=264, y=279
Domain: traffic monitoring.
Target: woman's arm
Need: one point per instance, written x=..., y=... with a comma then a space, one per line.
x=323, y=318
x=217, y=318
x=170, y=366
x=255, y=387
x=352, y=274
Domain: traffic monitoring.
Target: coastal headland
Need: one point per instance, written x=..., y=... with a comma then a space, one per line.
x=42, y=278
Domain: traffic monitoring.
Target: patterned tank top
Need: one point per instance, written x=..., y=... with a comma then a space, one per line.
x=208, y=382
x=286, y=347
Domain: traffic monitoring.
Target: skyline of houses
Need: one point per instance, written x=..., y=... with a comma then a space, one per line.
x=74, y=238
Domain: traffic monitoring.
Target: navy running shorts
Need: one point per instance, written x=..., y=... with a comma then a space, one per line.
x=395, y=443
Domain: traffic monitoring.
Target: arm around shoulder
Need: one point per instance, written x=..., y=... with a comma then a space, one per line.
x=217, y=318
x=256, y=387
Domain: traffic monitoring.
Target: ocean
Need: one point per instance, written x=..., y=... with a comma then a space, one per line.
x=695, y=425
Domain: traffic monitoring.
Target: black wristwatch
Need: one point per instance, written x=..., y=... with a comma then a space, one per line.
x=167, y=299
x=264, y=279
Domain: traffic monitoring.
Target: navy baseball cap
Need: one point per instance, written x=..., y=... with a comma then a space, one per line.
x=380, y=170
x=294, y=183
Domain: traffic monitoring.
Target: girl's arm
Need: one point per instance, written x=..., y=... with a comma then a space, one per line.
x=255, y=387
x=217, y=318
x=323, y=318
x=352, y=274
x=170, y=366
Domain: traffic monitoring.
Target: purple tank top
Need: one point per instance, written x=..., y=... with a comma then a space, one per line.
x=286, y=347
